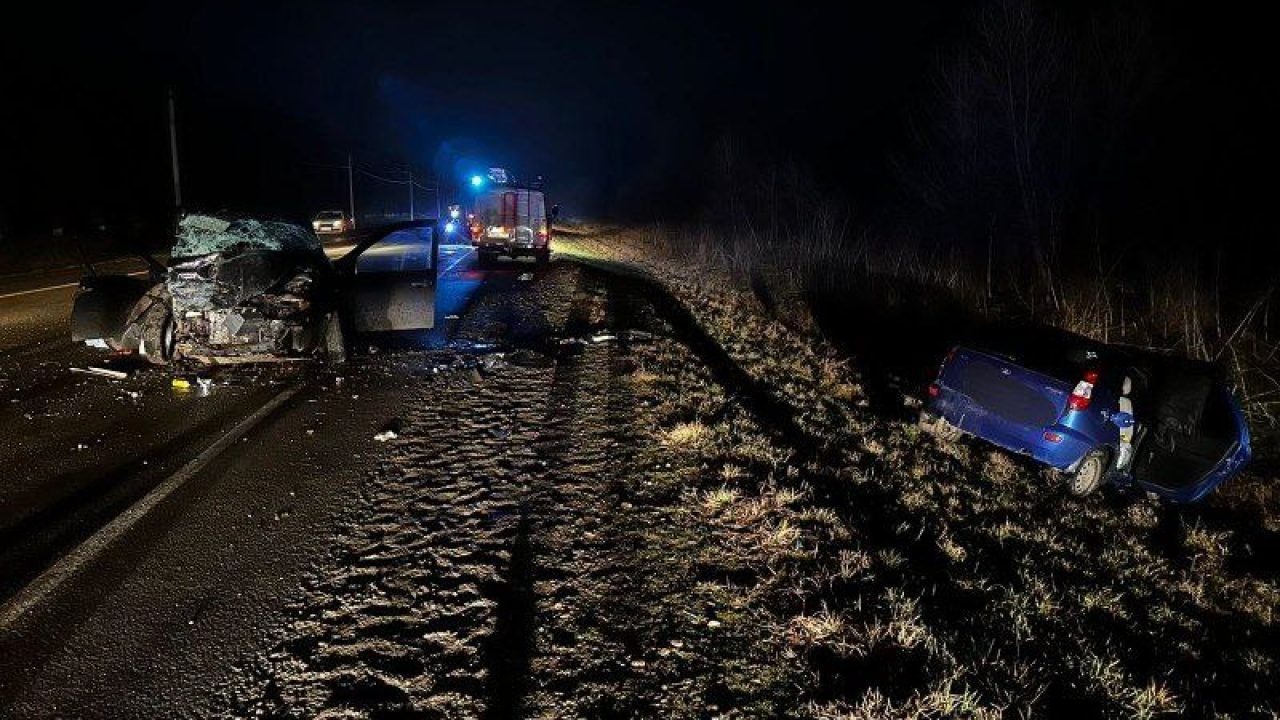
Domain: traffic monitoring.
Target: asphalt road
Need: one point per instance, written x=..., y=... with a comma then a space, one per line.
x=151, y=536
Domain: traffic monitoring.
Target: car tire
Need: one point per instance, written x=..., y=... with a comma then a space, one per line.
x=156, y=341
x=542, y=257
x=1089, y=473
x=335, y=342
x=486, y=259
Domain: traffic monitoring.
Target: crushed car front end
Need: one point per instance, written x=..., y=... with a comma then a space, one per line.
x=257, y=295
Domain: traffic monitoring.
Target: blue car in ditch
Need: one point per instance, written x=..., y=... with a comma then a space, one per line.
x=1097, y=413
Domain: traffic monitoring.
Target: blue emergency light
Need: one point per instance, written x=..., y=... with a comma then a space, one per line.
x=476, y=181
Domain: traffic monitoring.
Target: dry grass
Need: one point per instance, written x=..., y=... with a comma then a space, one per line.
x=911, y=578
x=688, y=435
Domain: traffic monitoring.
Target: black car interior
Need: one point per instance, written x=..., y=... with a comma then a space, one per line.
x=1186, y=426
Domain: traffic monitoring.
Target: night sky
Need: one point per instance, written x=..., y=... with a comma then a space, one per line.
x=620, y=106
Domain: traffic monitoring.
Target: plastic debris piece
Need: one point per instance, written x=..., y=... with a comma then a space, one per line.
x=603, y=337
x=525, y=277
x=180, y=384
x=205, y=385
x=101, y=372
x=386, y=435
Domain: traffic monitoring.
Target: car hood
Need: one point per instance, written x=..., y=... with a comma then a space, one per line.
x=220, y=281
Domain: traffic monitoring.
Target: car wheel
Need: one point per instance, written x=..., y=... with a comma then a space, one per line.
x=1089, y=472
x=335, y=343
x=542, y=257
x=156, y=341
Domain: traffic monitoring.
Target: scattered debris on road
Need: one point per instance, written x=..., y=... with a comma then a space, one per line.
x=386, y=435
x=101, y=372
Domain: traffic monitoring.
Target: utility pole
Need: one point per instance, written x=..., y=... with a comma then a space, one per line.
x=173, y=153
x=351, y=190
x=411, y=215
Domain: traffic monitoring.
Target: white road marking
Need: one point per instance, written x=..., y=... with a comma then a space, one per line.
x=19, y=293
x=48, y=581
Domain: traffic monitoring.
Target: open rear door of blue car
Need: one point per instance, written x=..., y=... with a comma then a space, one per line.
x=1192, y=446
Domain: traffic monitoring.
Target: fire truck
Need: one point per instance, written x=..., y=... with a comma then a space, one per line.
x=509, y=218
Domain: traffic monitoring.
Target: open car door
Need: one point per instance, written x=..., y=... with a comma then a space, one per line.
x=389, y=279
x=1197, y=437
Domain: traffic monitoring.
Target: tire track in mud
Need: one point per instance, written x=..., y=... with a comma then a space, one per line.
x=424, y=604
x=570, y=513
x=494, y=567
x=589, y=584
x=398, y=620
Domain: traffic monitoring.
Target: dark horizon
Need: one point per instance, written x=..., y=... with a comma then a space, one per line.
x=625, y=109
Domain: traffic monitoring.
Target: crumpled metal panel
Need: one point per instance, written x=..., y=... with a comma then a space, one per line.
x=220, y=280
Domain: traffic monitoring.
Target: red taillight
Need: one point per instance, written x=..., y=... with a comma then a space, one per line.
x=934, y=390
x=1083, y=392
x=1052, y=436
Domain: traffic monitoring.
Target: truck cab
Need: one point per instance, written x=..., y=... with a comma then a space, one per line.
x=509, y=218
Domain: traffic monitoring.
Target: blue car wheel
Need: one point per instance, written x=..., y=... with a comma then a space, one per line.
x=1089, y=472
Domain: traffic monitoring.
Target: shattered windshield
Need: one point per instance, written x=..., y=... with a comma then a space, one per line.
x=204, y=234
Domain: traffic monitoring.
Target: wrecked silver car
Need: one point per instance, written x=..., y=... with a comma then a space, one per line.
x=242, y=290
x=247, y=290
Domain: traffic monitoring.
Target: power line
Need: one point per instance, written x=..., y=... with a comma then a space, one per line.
x=362, y=171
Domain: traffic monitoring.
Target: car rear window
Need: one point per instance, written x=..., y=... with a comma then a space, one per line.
x=1049, y=352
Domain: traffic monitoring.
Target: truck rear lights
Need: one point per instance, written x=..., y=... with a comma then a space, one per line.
x=934, y=390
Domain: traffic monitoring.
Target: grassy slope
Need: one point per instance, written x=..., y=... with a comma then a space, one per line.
x=860, y=569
